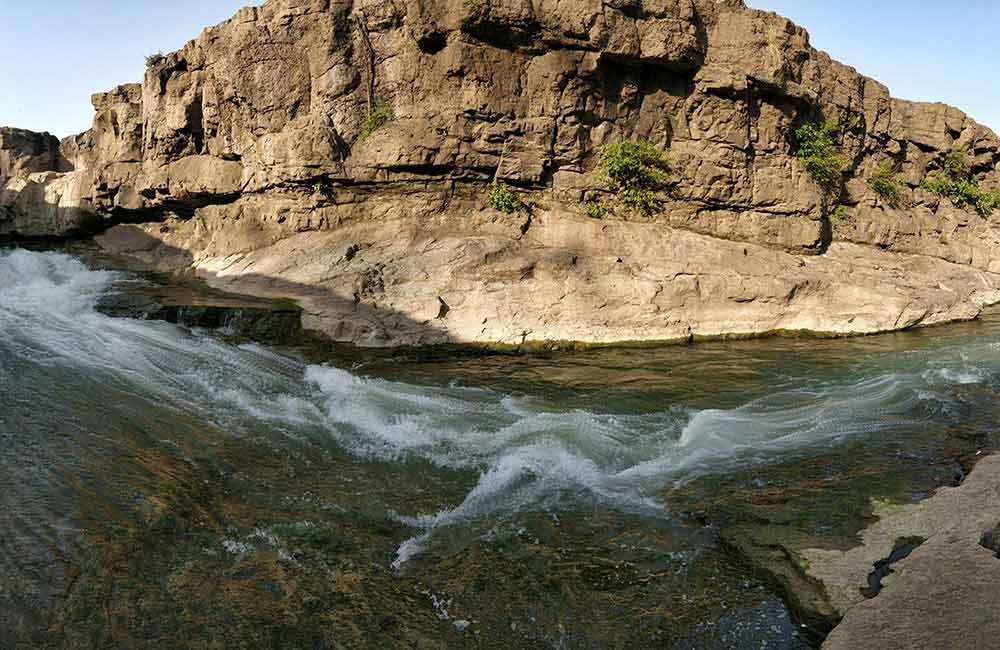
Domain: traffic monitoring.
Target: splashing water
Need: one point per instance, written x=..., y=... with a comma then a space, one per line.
x=60, y=355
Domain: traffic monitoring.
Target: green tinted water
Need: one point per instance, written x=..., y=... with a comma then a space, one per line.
x=166, y=488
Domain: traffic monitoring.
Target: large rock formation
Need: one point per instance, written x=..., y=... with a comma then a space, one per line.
x=240, y=156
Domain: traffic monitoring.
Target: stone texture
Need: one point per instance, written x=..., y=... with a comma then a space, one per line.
x=566, y=278
x=246, y=141
x=944, y=594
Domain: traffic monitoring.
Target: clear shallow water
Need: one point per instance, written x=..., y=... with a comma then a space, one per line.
x=615, y=430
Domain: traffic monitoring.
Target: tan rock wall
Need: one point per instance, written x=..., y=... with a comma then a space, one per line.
x=256, y=122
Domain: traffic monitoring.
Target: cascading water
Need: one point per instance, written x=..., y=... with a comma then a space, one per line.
x=530, y=453
x=74, y=379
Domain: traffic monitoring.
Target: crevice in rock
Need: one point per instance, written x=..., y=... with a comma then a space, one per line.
x=432, y=42
x=369, y=60
x=900, y=550
x=443, y=308
x=991, y=540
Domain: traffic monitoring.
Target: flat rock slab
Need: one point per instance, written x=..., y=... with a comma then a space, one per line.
x=944, y=594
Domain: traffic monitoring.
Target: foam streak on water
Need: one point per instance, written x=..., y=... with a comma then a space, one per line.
x=529, y=453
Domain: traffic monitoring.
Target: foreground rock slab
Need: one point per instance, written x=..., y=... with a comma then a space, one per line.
x=943, y=594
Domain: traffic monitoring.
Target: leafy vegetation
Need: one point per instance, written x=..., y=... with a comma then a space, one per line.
x=638, y=168
x=956, y=163
x=502, y=198
x=954, y=182
x=887, y=184
x=820, y=154
x=838, y=214
x=378, y=116
x=595, y=209
x=154, y=59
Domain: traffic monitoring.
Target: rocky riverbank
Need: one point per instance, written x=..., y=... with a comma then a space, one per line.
x=338, y=154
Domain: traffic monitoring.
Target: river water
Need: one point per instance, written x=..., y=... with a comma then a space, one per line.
x=161, y=486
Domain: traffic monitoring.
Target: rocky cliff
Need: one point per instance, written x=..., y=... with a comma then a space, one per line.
x=252, y=156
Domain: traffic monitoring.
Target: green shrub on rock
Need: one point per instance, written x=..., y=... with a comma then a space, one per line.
x=500, y=197
x=638, y=168
x=820, y=154
x=153, y=59
x=956, y=163
x=378, y=116
x=838, y=214
x=954, y=182
x=887, y=184
x=595, y=209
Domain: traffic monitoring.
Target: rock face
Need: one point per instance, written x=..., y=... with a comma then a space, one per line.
x=36, y=198
x=245, y=144
x=943, y=593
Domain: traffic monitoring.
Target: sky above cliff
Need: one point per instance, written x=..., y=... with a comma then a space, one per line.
x=924, y=51
x=56, y=53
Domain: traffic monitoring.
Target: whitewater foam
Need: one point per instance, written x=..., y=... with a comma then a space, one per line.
x=529, y=453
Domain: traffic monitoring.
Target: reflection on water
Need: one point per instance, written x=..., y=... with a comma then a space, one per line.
x=447, y=456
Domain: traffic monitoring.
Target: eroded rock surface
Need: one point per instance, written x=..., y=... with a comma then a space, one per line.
x=943, y=594
x=247, y=142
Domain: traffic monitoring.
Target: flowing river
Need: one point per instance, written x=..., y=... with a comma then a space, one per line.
x=168, y=487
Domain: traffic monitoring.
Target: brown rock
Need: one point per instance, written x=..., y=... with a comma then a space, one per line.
x=250, y=136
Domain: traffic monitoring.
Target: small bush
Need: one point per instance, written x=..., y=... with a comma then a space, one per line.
x=502, y=198
x=375, y=120
x=153, y=59
x=953, y=182
x=956, y=163
x=820, y=154
x=838, y=214
x=937, y=183
x=595, y=209
x=638, y=168
x=887, y=184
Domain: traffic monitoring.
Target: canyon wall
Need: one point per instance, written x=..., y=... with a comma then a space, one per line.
x=243, y=156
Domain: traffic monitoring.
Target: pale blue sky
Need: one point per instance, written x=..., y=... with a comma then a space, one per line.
x=925, y=50
x=55, y=53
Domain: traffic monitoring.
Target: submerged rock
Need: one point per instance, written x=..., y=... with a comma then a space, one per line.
x=186, y=303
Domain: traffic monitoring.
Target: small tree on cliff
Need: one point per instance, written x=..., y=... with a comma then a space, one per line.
x=820, y=154
x=638, y=169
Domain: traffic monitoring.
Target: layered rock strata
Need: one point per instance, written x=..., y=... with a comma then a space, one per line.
x=240, y=156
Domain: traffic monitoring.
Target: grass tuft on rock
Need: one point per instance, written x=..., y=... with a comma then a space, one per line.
x=378, y=117
x=887, y=184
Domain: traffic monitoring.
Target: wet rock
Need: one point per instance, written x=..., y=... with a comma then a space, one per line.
x=274, y=322
x=942, y=593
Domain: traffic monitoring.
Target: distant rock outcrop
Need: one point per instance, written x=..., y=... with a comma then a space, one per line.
x=241, y=156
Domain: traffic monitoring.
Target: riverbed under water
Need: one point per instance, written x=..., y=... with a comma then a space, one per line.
x=168, y=487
